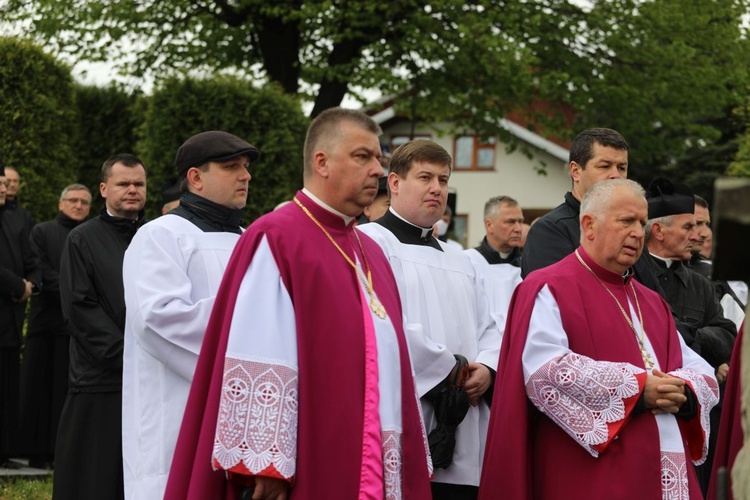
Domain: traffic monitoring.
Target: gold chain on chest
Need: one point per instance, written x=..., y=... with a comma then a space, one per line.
x=375, y=305
x=648, y=360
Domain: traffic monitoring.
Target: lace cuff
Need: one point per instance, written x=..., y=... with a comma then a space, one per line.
x=256, y=431
x=586, y=398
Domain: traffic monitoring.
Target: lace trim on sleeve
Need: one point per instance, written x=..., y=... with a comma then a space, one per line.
x=583, y=396
x=257, y=424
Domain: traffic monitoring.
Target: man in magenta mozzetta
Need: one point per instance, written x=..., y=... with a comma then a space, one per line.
x=304, y=388
x=597, y=395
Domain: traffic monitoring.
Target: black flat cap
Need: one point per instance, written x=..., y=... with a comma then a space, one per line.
x=665, y=198
x=170, y=190
x=213, y=145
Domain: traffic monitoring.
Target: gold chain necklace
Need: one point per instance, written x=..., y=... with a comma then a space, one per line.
x=375, y=305
x=647, y=359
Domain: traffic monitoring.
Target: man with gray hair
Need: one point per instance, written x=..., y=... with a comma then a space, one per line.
x=614, y=390
x=671, y=235
x=45, y=357
x=497, y=259
x=503, y=224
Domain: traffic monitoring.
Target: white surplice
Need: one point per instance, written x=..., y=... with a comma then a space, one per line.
x=171, y=273
x=498, y=281
x=444, y=314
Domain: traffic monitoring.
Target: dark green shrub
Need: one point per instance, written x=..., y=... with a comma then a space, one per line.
x=266, y=117
x=37, y=123
x=107, y=119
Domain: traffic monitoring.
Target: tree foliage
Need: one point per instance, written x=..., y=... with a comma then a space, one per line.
x=663, y=72
x=488, y=48
x=37, y=117
x=267, y=118
x=107, y=122
x=740, y=167
x=667, y=74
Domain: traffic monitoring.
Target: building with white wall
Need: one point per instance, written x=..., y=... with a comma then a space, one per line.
x=483, y=169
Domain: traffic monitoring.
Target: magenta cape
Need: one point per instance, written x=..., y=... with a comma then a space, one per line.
x=527, y=454
x=330, y=334
x=730, y=438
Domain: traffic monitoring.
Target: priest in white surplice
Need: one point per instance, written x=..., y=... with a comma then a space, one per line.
x=444, y=307
x=171, y=274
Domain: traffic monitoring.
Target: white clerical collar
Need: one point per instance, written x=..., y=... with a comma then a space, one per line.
x=504, y=255
x=321, y=204
x=668, y=262
x=426, y=231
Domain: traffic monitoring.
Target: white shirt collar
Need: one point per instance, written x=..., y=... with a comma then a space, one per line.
x=426, y=231
x=668, y=262
x=321, y=204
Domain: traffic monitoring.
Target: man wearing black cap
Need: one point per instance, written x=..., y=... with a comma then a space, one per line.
x=172, y=271
x=171, y=191
x=670, y=233
x=19, y=278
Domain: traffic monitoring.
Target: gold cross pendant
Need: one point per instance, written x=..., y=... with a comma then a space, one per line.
x=647, y=359
x=377, y=308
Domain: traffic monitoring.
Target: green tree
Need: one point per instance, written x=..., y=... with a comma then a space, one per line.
x=475, y=53
x=37, y=117
x=265, y=117
x=667, y=74
x=107, y=121
x=663, y=72
x=740, y=167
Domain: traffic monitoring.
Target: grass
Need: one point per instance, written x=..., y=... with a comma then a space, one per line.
x=18, y=488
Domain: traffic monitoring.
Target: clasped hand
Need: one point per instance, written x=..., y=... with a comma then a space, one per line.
x=478, y=382
x=664, y=393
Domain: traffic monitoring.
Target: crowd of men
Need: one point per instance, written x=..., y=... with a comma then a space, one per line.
x=344, y=346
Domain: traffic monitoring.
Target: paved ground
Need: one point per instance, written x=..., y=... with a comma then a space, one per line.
x=24, y=471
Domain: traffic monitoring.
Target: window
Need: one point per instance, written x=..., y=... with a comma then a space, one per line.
x=471, y=152
x=461, y=229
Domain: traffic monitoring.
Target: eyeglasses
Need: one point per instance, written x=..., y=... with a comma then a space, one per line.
x=75, y=201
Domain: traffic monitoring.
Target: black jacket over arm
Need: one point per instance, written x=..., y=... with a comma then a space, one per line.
x=693, y=301
x=17, y=262
x=93, y=302
x=47, y=241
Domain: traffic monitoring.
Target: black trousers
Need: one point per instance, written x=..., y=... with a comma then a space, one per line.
x=88, y=454
x=10, y=374
x=445, y=491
